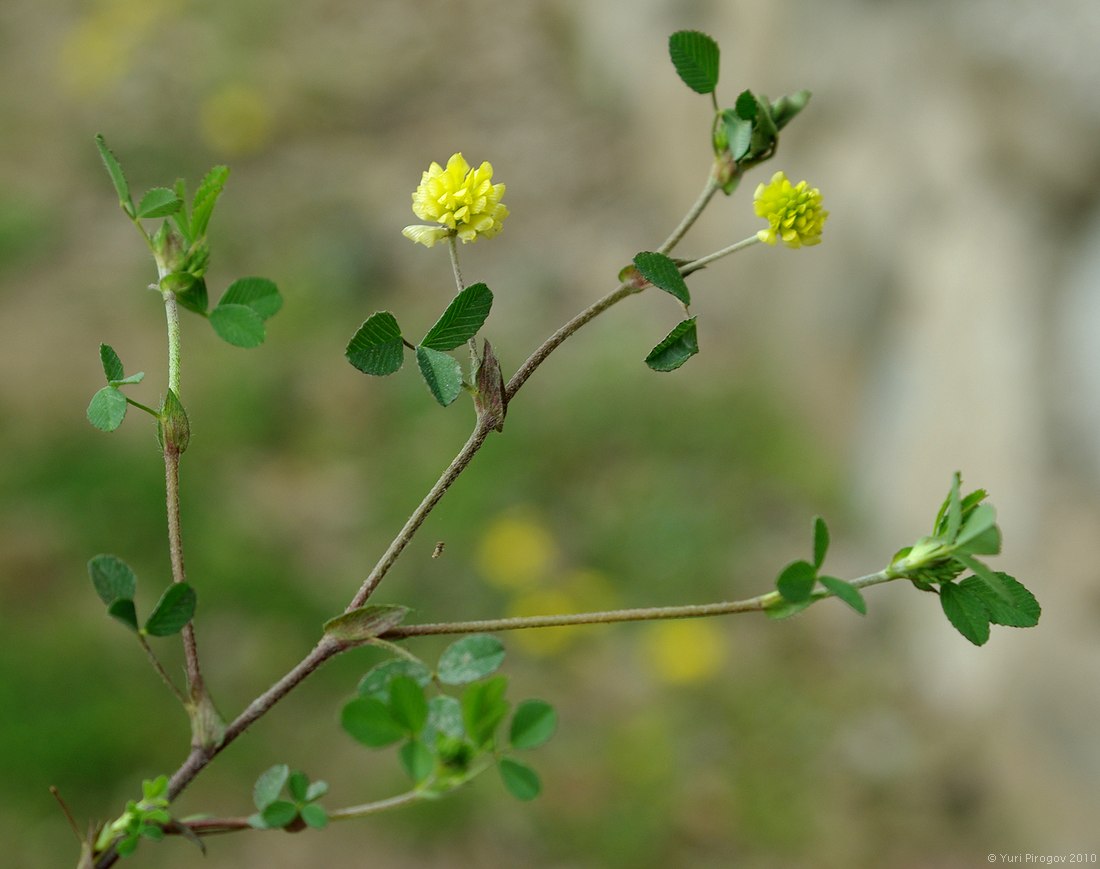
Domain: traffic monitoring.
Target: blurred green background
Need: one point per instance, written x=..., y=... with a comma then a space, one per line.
x=948, y=321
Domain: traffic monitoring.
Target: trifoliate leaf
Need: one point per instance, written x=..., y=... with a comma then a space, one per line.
x=369, y=721
x=469, y=659
x=365, y=623
x=124, y=610
x=986, y=543
x=238, y=325
x=461, y=321
x=114, y=169
x=174, y=610
x=784, y=609
x=821, y=541
x=408, y=705
x=1023, y=612
x=521, y=781
x=112, y=578
x=376, y=683
x=663, y=273
x=259, y=294
x=532, y=725
x=483, y=708
x=314, y=815
x=279, y=814
x=981, y=519
x=676, y=348
x=417, y=760
x=444, y=719
x=695, y=56
x=107, y=409
x=159, y=202
x=112, y=365
x=965, y=610
x=297, y=785
x=269, y=785
x=376, y=348
x=205, y=198
x=991, y=579
x=846, y=592
x=441, y=372
x=796, y=582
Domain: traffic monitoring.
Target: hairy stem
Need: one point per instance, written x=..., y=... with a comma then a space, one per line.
x=695, y=265
x=554, y=341
x=697, y=208
x=452, y=248
x=641, y=614
x=365, y=809
x=327, y=648
x=456, y=467
x=172, y=315
x=196, y=689
x=200, y=757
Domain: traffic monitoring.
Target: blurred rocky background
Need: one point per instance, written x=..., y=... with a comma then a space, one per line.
x=949, y=321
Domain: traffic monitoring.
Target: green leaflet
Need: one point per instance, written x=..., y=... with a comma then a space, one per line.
x=376, y=347
x=461, y=321
x=676, y=348
x=695, y=57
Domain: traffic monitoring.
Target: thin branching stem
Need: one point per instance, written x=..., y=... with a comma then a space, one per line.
x=155, y=661
x=709, y=189
x=640, y=614
x=361, y=811
x=327, y=648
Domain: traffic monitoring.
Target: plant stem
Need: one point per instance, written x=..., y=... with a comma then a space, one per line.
x=452, y=247
x=196, y=688
x=200, y=757
x=141, y=406
x=365, y=809
x=160, y=670
x=327, y=648
x=709, y=189
x=456, y=467
x=551, y=344
x=642, y=614
x=172, y=314
x=695, y=265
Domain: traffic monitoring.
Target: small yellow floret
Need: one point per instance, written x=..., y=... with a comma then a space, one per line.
x=682, y=652
x=463, y=202
x=794, y=213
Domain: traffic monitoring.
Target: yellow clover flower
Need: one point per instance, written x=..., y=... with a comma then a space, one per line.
x=794, y=213
x=464, y=202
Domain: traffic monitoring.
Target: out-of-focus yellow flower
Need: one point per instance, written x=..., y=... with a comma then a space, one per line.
x=684, y=651
x=794, y=213
x=541, y=602
x=515, y=552
x=462, y=201
x=235, y=120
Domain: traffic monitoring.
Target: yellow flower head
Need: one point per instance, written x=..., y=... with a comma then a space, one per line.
x=794, y=214
x=462, y=201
